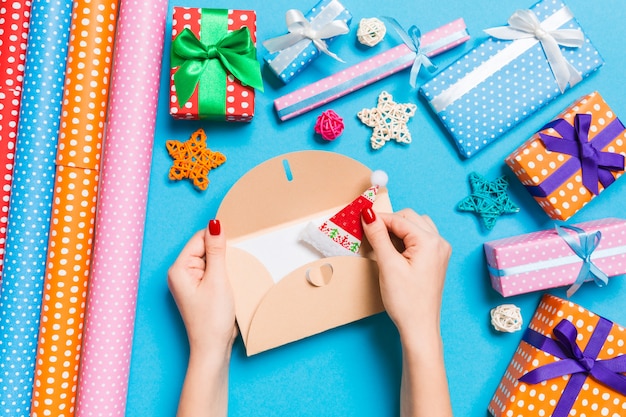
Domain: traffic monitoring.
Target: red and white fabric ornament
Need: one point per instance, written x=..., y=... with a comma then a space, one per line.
x=342, y=234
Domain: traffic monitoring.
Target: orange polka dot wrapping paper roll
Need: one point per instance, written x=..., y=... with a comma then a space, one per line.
x=569, y=362
x=561, y=178
x=12, y=59
x=73, y=216
x=221, y=91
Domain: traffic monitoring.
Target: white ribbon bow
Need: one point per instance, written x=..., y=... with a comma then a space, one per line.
x=299, y=28
x=524, y=24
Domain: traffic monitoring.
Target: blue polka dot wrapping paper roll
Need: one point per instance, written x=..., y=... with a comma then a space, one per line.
x=502, y=81
x=31, y=201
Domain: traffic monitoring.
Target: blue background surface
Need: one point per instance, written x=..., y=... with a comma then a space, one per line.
x=355, y=370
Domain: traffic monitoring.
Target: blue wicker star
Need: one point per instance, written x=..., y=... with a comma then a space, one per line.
x=488, y=199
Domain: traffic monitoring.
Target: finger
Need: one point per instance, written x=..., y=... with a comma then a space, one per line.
x=403, y=228
x=378, y=236
x=215, y=249
x=422, y=221
x=409, y=214
x=194, y=247
x=430, y=223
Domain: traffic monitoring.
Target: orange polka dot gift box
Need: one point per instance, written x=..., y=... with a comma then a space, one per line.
x=565, y=255
x=214, y=69
x=569, y=363
x=572, y=159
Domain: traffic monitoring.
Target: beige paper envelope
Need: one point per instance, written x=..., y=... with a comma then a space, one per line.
x=285, y=291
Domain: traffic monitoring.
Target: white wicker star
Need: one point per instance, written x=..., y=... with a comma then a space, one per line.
x=389, y=120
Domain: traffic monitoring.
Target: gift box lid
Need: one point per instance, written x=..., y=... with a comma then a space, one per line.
x=499, y=83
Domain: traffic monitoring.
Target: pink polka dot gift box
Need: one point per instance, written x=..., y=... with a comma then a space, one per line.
x=566, y=255
x=515, y=72
x=570, y=362
x=214, y=69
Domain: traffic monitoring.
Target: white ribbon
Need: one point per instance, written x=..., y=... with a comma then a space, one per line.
x=299, y=28
x=505, y=56
x=524, y=24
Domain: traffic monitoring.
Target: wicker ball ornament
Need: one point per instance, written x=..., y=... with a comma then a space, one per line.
x=371, y=31
x=329, y=125
x=506, y=318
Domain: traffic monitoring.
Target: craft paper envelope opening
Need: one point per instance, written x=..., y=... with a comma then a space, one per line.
x=284, y=290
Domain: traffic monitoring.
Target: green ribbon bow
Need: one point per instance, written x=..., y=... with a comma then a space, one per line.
x=235, y=52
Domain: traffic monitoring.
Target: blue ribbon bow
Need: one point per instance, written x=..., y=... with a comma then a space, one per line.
x=587, y=243
x=412, y=39
x=596, y=165
x=575, y=362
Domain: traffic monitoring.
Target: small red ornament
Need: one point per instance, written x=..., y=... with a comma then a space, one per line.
x=329, y=125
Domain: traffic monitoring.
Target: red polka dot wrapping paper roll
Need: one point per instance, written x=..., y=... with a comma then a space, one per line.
x=121, y=209
x=15, y=18
x=218, y=95
x=73, y=216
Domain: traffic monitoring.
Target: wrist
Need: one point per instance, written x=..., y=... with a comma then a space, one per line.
x=426, y=340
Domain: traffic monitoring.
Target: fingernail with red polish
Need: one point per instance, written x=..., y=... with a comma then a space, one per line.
x=214, y=227
x=368, y=215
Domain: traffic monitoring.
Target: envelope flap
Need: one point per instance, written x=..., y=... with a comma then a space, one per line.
x=250, y=282
x=289, y=187
x=295, y=308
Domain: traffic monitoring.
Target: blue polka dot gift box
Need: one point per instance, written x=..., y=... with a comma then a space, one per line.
x=519, y=69
x=570, y=362
x=562, y=256
x=309, y=35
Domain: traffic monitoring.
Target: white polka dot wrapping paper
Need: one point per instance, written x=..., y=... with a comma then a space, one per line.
x=364, y=73
x=70, y=243
x=498, y=84
x=542, y=260
x=121, y=209
x=217, y=95
x=549, y=165
x=291, y=61
x=567, y=364
x=31, y=201
x=12, y=58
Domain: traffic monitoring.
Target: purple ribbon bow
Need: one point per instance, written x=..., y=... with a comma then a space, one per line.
x=595, y=164
x=579, y=364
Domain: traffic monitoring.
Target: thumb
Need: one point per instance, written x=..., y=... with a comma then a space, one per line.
x=215, y=247
x=377, y=235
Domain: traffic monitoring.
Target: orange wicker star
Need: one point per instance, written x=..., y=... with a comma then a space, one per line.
x=193, y=160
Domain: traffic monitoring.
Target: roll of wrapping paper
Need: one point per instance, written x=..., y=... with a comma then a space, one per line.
x=12, y=59
x=31, y=201
x=112, y=297
x=82, y=128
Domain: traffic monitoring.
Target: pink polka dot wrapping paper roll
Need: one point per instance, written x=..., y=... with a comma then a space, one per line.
x=13, y=39
x=542, y=260
x=31, y=201
x=121, y=208
x=73, y=217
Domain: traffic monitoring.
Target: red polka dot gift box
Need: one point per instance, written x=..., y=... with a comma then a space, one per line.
x=573, y=158
x=214, y=70
x=565, y=255
x=570, y=362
